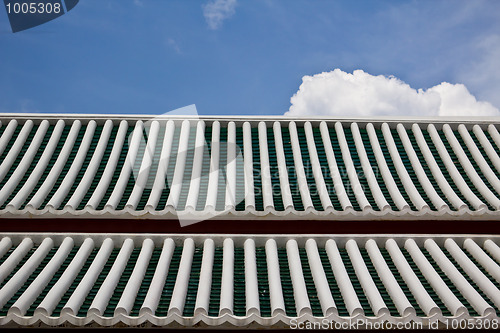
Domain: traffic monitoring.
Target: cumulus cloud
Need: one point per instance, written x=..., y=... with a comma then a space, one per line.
x=216, y=11
x=360, y=94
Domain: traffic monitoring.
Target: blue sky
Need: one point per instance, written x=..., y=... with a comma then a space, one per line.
x=152, y=56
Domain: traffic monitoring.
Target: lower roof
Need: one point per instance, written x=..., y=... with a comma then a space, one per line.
x=246, y=280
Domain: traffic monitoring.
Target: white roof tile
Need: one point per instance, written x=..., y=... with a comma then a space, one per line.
x=240, y=169
x=256, y=281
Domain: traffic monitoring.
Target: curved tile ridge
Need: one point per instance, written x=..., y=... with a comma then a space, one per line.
x=368, y=170
x=57, y=198
x=396, y=195
x=227, y=278
x=473, y=297
x=89, y=175
x=110, y=168
x=7, y=135
x=76, y=300
x=145, y=167
x=152, y=298
x=370, y=289
x=334, y=170
x=232, y=155
x=180, y=164
x=5, y=245
x=316, y=168
x=22, y=304
x=428, y=271
x=54, y=296
x=430, y=191
x=479, y=159
x=452, y=169
x=251, y=282
x=487, y=146
x=470, y=170
x=161, y=173
x=25, y=162
x=351, y=170
x=485, y=261
x=126, y=171
x=181, y=283
x=205, y=283
x=275, y=287
x=248, y=166
x=302, y=304
x=107, y=288
x=492, y=130
x=19, y=278
x=436, y=171
x=473, y=271
x=391, y=285
x=409, y=186
x=199, y=151
x=265, y=169
x=492, y=248
x=286, y=193
x=320, y=281
x=19, y=142
x=164, y=266
x=213, y=180
x=424, y=300
x=126, y=301
x=344, y=282
x=305, y=194
x=15, y=257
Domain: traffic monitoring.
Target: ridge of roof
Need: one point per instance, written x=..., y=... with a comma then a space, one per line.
x=251, y=118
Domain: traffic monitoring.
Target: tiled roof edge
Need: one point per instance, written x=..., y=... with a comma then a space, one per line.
x=53, y=117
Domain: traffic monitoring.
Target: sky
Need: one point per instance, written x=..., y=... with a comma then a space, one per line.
x=259, y=57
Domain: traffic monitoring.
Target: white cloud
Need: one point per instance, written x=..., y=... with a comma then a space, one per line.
x=216, y=11
x=27, y=106
x=359, y=94
x=173, y=44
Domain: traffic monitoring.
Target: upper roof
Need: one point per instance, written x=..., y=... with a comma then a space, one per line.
x=239, y=167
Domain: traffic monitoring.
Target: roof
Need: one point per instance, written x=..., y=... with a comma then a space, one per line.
x=241, y=168
x=246, y=280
